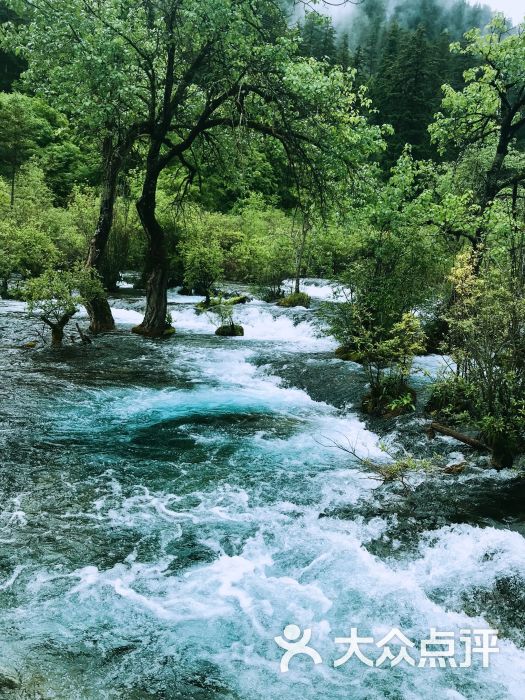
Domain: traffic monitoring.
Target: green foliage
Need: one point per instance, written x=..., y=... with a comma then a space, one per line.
x=23, y=128
x=201, y=251
x=486, y=341
x=402, y=404
x=318, y=37
x=387, y=357
x=473, y=114
x=396, y=259
x=34, y=233
x=56, y=295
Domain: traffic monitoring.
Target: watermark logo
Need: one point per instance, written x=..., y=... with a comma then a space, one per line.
x=441, y=649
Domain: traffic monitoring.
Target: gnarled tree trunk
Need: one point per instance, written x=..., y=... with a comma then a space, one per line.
x=100, y=316
x=57, y=329
x=154, y=324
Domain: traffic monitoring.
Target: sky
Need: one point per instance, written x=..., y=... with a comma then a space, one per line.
x=511, y=8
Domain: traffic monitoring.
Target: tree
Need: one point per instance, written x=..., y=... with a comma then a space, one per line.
x=23, y=129
x=82, y=59
x=244, y=74
x=343, y=57
x=11, y=65
x=488, y=115
x=56, y=296
x=405, y=89
x=318, y=37
x=201, y=252
x=487, y=342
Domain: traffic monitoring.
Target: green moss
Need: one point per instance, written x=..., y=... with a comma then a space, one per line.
x=230, y=330
x=242, y=299
x=296, y=299
x=219, y=301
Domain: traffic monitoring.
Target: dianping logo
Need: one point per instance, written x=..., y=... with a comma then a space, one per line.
x=441, y=649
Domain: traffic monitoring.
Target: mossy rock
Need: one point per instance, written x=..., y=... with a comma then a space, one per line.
x=230, y=330
x=241, y=299
x=220, y=301
x=140, y=330
x=295, y=299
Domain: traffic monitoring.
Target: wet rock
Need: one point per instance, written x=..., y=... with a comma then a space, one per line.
x=230, y=330
x=9, y=678
x=188, y=551
x=502, y=604
x=240, y=299
x=348, y=355
x=436, y=503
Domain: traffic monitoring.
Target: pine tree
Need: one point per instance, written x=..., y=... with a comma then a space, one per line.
x=318, y=37
x=343, y=57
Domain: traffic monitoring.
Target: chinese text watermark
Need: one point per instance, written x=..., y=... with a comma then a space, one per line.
x=441, y=649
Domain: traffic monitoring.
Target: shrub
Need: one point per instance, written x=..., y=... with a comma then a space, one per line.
x=295, y=299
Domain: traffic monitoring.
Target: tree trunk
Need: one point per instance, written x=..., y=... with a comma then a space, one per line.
x=300, y=253
x=57, y=336
x=57, y=329
x=466, y=439
x=100, y=316
x=13, y=184
x=154, y=324
x=492, y=183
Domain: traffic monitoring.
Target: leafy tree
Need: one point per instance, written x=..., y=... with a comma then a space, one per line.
x=23, y=129
x=201, y=252
x=486, y=341
x=82, y=61
x=11, y=65
x=397, y=260
x=56, y=296
x=488, y=114
x=34, y=233
x=291, y=101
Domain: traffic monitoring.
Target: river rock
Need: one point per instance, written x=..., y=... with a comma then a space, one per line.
x=230, y=329
x=9, y=678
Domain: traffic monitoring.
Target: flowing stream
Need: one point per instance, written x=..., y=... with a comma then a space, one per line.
x=169, y=507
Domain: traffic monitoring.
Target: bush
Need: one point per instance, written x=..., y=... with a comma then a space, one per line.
x=295, y=299
x=387, y=358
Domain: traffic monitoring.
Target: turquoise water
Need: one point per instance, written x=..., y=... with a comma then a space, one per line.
x=160, y=524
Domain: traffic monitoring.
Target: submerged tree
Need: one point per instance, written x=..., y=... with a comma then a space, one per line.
x=57, y=295
x=241, y=71
x=82, y=61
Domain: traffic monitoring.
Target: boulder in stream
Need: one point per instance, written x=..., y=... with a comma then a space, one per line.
x=9, y=678
x=230, y=329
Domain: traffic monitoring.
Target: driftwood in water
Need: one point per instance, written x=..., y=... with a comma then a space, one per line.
x=434, y=428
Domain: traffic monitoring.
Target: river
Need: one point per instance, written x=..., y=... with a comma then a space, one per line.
x=169, y=507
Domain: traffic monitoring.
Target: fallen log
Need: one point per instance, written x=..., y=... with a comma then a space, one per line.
x=434, y=428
